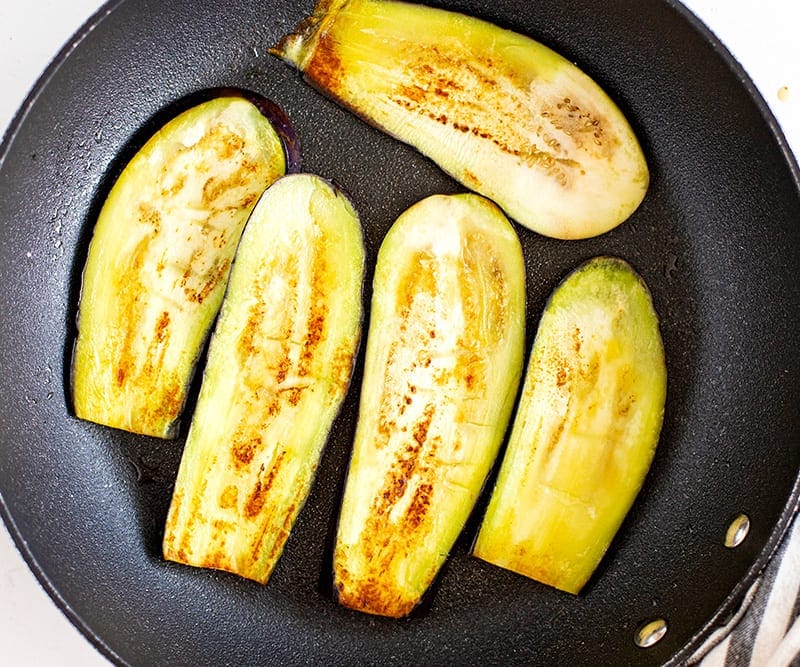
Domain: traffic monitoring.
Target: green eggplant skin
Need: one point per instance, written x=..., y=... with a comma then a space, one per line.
x=442, y=368
x=585, y=431
x=503, y=114
x=279, y=365
x=159, y=260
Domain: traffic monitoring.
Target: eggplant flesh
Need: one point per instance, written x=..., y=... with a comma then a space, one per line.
x=159, y=260
x=585, y=430
x=504, y=115
x=279, y=366
x=443, y=362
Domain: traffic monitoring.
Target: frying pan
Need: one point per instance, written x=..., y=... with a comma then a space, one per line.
x=717, y=239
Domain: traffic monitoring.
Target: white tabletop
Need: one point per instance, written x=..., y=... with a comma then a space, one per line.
x=762, y=35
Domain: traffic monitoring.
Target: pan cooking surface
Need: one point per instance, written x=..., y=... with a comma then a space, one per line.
x=717, y=239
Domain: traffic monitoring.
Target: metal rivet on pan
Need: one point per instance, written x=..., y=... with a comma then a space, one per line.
x=650, y=633
x=737, y=531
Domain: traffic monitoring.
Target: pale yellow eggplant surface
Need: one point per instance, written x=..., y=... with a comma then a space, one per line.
x=279, y=365
x=159, y=260
x=443, y=362
x=500, y=112
x=585, y=430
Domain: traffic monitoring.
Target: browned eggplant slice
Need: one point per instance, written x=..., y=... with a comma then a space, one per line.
x=160, y=256
x=278, y=368
x=585, y=431
x=503, y=114
x=443, y=361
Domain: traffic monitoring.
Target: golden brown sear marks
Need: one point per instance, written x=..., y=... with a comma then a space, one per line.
x=399, y=521
x=150, y=215
x=275, y=532
x=369, y=595
x=220, y=140
x=315, y=326
x=341, y=368
x=325, y=68
x=244, y=448
x=260, y=493
x=190, y=516
x=413, y=440
x=172, y=523
x=217, y=560
x=138, y=371
x=509, y=112
x=287, y=368
x=275, y=518
x=194, y=249
x=278, y=349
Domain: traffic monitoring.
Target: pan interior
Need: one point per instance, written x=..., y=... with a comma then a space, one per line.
x=717, y=240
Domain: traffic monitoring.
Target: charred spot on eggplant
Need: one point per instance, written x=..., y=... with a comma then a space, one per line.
x=503, y=114
x=443, y=361
x=585, y=431
x=278, y=369
x=160, y=255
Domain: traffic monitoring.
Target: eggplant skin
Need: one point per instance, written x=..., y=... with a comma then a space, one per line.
x=504, y=115
x=159, y=260
x=279, y=366
x=443, y=362
x=585, y=432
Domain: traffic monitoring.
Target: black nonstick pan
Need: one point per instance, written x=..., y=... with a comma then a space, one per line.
x=717, y=240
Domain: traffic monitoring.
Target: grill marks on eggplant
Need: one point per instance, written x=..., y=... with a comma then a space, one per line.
x=405, y=498
x=500, y=112
x=202, y=272
x=444, y=349
x=279, y=366
x=442, y=88
x=160, y=258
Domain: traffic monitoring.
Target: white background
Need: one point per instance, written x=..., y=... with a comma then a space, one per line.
x=763, y=35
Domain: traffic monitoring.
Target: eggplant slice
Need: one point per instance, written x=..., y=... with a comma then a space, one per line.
x=503, y=114
x=443, y=362
x=278, y=369
x=159, y=260
x=585, y=430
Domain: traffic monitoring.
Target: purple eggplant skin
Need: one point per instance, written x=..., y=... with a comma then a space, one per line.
x=280, y=122
x=278, y=118
x=161, y=253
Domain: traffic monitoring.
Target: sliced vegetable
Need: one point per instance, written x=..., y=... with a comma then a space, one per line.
x=159, y=260
x=585, y=431
x=278, y=369
x=443, y=362
x=500, y=112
